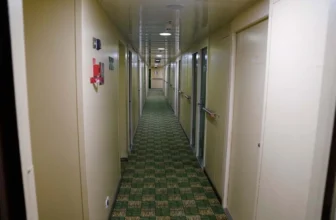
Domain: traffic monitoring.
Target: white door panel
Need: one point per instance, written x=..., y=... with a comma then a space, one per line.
x=247, y=119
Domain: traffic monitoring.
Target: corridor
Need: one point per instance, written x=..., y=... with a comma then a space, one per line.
x=169, y=109
x=162, y=177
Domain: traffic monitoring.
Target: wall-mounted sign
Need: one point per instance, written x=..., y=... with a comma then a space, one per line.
x=96, y=43
x=111, y=63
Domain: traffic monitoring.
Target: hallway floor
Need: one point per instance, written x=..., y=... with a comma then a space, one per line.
x=162, y=178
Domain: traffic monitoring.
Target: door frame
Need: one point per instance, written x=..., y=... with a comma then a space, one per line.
x=149, y=78
x=194, y=99
x=169, y=83
x=227, y=153
x=15, y=177
x=123, y=100
x=198, y=106
x=130, y=103
x=178, y=87
x=140, y=86
x=329, y=212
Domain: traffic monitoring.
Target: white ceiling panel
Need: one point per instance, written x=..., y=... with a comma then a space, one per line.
x=142, y=21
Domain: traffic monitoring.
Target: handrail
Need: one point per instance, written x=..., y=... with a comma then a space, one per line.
x=211, y=113
x=187, y=96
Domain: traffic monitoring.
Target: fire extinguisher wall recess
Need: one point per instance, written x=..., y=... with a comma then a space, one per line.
x=98, y=75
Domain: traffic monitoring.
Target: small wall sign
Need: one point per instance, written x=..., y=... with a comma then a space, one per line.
x=111, y=63
x=96, y=43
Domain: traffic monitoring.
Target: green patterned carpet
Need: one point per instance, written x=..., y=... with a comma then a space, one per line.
x=162, y=178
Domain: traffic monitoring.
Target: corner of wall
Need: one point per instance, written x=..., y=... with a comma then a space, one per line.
x=80, y=113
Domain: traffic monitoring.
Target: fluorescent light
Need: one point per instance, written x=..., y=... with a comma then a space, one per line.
x=161, y=48
x=159, y=55
x=165, y=34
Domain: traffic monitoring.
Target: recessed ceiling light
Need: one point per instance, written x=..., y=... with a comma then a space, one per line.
x=165, y=34
x=161, y=48
x=159, y=55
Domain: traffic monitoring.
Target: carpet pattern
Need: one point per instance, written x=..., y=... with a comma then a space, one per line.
x=162, y=179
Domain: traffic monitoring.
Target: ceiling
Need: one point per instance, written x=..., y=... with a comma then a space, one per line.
x=142, y=21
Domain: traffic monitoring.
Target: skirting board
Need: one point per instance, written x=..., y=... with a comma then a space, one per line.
x=213, y=187
x=227, y=213
x=115, y=198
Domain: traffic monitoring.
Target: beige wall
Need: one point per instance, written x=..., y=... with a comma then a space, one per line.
x=157, y=79
x=102, y=165
x=123, y=91
x=51, y=67
x=74, y=126
x=301, y=82
x=185, y=87
x=171, y=89
x=218, y=86
x=146, y=79
x=144, y=83
x=142, y=87
x=135, y=93
x=165, y=83
x=219, y=76
x=295, y=140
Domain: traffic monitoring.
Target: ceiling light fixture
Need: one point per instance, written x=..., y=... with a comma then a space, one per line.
x=161, y=48
x=175, y=7
x=159, y=55
x=165, y=34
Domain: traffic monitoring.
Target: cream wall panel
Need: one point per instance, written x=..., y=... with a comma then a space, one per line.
x=186, y=85
x=146, y=78
x=157, y=84
x=123, y=101
x=165, y=83
x=135, y=92
x=144, y=84
x=100, y=110
x=247, y=120
x=172, y=87
x=157, y=78
x=325, y=122
x=252, y=15
x=300, y=88
x=217, y=86
x=185, y=108
x=189, y=93
x=51, y=67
